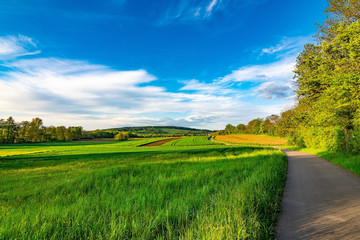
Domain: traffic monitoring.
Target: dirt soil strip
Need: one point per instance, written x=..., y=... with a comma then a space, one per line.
x=321, y=200
x=159, y=143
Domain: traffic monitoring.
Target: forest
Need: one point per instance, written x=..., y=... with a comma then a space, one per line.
x=327, y=75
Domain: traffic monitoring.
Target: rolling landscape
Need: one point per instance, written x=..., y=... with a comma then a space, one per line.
x=256, y=138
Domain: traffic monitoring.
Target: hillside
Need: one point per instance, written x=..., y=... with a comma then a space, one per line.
x=162, y=130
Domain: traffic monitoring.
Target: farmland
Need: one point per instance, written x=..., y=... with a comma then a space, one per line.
x=190, y=141
x=118, y=190
x=251, y=139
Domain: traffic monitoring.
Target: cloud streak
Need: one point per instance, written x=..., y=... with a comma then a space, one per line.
x=15, y=46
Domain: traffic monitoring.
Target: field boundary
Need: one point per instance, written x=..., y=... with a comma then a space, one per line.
x=158, y=143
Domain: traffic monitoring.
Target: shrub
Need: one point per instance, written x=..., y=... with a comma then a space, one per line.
x=122, y=136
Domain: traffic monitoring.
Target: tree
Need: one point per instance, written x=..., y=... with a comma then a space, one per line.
x=23, y=129
x=11, y=129
x=60, y=134
x=229, y=129
x=122, y=136
x=328, y=78
x=34, y=133
x=241, y=128
x=254, y=126
x=338, y=12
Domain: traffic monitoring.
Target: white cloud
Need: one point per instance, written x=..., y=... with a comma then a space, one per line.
x=288, y=45
x=210, y=7
x=73, y=92
x=279, y=71
x=185, y=11
x=63, y=91
x=188, y=11
x=15, y=46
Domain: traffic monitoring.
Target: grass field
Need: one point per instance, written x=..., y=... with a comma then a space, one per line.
x=346, y=160
x=251, y=139
x=190, y=141
x=113, y=191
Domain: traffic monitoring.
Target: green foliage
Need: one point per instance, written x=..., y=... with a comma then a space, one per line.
x=328, y=77
x=35, y=132
x=229, y=129
x=109, y=191
x=295, y=140
x=255, y=126
x=161, y=131
x=122, y=136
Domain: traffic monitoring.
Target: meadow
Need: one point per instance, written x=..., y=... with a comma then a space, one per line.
x=118, y=190
x=190, y=141
x=251, y=139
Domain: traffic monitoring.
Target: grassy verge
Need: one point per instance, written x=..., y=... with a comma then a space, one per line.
x=346, y=160
x=111, y=191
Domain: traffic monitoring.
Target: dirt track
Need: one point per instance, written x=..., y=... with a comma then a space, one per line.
x=321, y=200
x=159, y=143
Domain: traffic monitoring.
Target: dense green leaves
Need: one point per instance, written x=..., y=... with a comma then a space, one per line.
x=328, y=78
x=35, y=132
x=327, y=74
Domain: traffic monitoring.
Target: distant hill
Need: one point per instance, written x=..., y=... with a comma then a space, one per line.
x=162, y=130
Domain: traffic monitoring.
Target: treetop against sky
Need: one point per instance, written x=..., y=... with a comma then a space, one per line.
x=102, y=64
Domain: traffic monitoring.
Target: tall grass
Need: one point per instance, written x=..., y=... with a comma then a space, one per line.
x=109, y=191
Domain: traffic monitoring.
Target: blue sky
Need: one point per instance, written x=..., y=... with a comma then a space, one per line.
x=110, y=63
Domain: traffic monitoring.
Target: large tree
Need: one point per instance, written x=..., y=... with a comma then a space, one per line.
x=328, y=76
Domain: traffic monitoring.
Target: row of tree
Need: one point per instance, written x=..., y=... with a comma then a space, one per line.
x=255, y=126
x=327, y=113
x=328, y=77
x=34, y=132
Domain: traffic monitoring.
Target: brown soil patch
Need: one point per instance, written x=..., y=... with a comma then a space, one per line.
x=159, y=143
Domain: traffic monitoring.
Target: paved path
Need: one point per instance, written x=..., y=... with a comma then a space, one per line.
x=321, y=201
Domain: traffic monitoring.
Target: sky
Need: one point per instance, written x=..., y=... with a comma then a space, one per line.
x=112, y=63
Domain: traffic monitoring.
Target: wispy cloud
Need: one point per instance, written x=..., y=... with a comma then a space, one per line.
x=15, y=46
x=186, y=11
x=69, y=92
x=272, y=80
x=211, y=7
x=288, y=46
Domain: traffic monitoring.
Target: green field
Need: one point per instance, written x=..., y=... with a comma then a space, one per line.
x=190, y=141
x=112, y=191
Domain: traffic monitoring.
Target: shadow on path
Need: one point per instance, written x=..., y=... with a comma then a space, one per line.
x=321, y=200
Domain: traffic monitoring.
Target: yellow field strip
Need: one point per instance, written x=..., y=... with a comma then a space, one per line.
x=250, y=139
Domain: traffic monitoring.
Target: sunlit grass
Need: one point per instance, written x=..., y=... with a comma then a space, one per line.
x=110, y=191
x=190, y=141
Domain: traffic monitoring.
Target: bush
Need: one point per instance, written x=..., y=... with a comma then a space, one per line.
x=122, y=136
x=296, y=140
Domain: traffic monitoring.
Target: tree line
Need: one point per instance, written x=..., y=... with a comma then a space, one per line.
x=327, y=74
x=35, y=132
x=268, y=126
